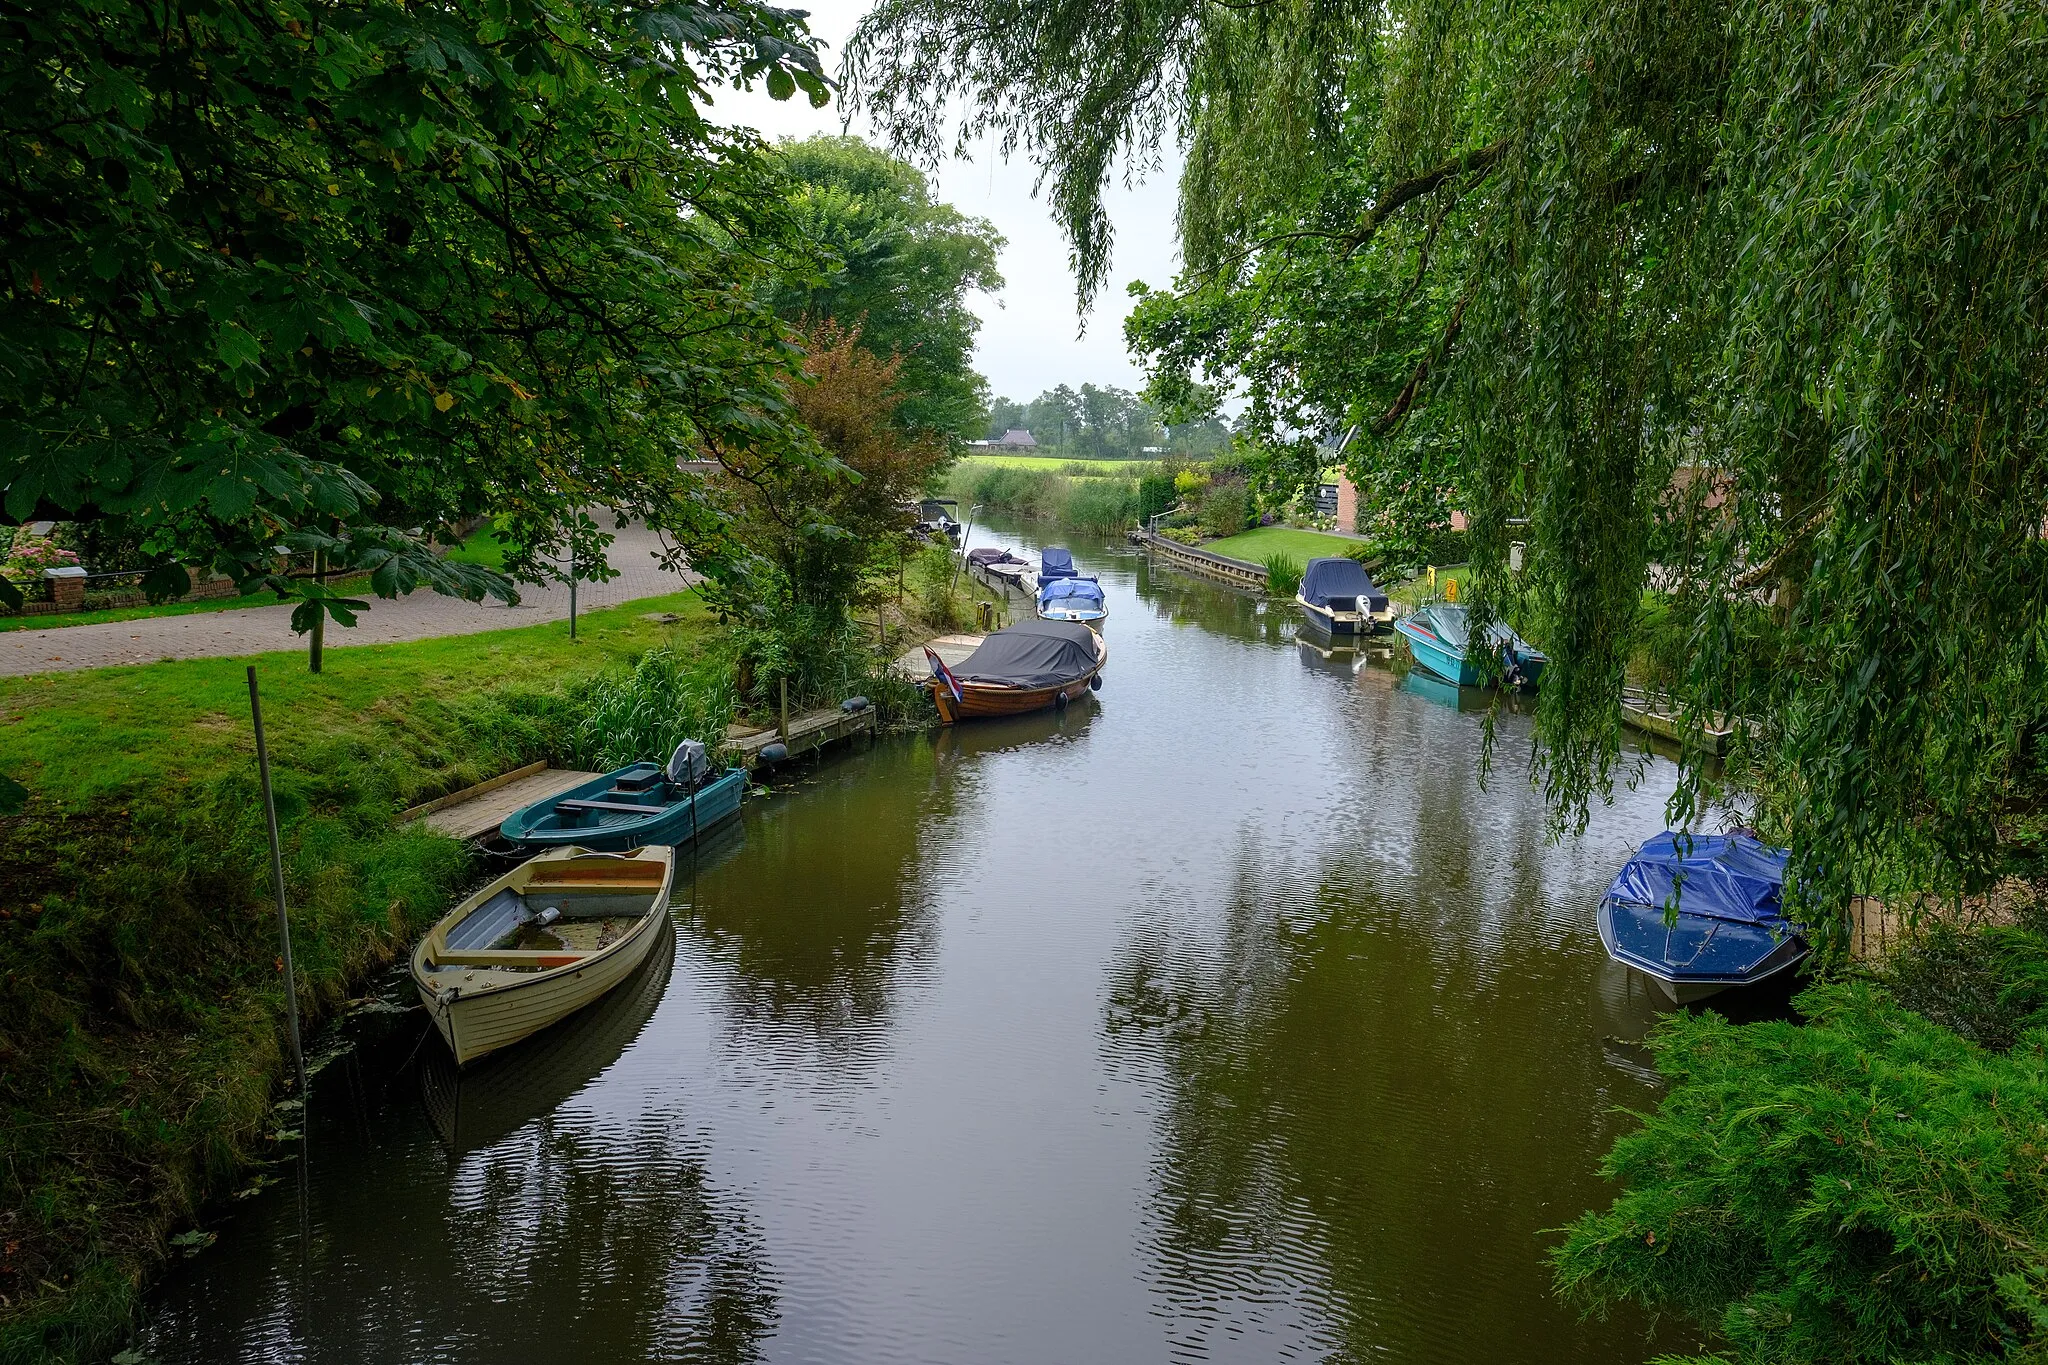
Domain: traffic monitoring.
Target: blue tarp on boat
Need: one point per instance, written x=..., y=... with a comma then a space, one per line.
x=1730, y=928
x=1326, y=582
x=1081, y=591
x=1055, y=562
x=1717, y=876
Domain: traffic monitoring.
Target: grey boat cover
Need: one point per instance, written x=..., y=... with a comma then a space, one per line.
x=1453, y=625
x=1032, y=654
x=1326, y=581
x=990, y=555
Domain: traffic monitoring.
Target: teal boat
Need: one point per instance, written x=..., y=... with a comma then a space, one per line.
x=641, y=806
x=1438, y=635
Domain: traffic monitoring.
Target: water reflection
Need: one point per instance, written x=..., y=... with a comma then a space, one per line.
x=567, y=1226
x=473, y=1107
x=810, y=933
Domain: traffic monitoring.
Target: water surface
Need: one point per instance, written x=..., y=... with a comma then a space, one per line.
x=1224, y=1017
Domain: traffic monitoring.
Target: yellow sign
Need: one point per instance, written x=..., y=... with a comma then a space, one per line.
x=1450, y=590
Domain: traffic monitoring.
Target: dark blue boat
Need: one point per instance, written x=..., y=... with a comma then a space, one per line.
x=1730, y=928
x=636, y=807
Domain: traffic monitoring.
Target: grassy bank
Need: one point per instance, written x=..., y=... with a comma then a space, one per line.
x=1103, y=503
x=139, y=1002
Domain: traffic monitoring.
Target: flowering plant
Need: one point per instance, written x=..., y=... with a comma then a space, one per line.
x=29, y=558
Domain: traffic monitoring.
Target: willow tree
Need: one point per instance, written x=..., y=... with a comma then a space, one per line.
x=1734, y=299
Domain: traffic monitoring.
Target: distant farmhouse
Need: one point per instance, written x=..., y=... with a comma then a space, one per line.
x=1016, y=438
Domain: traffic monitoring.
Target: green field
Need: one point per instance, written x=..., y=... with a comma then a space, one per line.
x=1058, y=464
x=1301, y=546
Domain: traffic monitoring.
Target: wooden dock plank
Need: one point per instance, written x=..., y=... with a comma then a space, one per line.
x=485, y=810
x=954, y=649
x=809, y=731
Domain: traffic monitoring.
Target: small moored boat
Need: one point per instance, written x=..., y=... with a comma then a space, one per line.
x=540, y=943
x=1055, y=561
x=1337, y=597
x=998, y=568
x=634, y=806
x=1438, y=635
x=1730, y=928
x=1025, y=667
x=1072, y=599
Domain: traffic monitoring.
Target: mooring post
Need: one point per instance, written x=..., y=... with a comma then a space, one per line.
x=572, y=589
x=782, y=731
x=284, y=924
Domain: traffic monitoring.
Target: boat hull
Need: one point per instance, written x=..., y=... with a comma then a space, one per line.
x=1334, y=622
x=1688, y=965
x=671, y=825
x=496, y=998
x=981, y=700
x=1437, y=656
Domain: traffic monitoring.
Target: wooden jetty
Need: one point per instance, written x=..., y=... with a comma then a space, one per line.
x=479, y=810
x=1645, y=714
x=811, y=730
x=1236, y=572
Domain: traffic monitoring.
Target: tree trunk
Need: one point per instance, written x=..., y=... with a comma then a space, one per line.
x=319, y=634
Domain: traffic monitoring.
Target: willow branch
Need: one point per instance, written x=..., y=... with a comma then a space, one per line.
x=1405, y=400
x=1766, y=571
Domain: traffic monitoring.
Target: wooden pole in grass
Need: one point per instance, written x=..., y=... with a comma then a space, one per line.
x=319, y=617
x=284, y=924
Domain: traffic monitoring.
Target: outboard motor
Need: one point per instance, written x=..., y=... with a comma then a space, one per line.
x=689, y=765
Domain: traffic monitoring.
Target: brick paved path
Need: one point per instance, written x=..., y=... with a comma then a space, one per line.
x=253, y=630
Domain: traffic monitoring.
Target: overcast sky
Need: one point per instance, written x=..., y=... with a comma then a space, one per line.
x=1029, y=334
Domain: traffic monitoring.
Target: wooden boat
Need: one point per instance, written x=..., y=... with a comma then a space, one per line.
x=1072, y=599
x=1437, y=636
x=1025, y=667
x=634, y=807
x=1337, y=597
x=472, y=1107
x=999, y=569
x=1728, y=929
x=540, y=943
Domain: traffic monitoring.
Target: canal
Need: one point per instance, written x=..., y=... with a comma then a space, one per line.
x=1223, y=1017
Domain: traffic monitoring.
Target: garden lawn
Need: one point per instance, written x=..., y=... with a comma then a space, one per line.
x=140, y=1004
x=1301, y=546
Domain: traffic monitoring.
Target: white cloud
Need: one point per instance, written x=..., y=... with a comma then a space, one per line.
x=1029, y=338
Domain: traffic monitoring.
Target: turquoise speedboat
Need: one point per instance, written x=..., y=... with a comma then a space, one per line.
x=1438, y=635
x=644, y=805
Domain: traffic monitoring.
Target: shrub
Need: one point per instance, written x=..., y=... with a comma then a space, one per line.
x=1226, y=509
x=1866, y=1187
x=932, y=576
x=1156, y=494
x=1283, y=575
x=1183, y=535
x=627, y=715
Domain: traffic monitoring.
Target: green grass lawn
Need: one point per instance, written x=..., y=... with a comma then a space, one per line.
x=1057, y=464
x=77, y=736
x=1301, y=546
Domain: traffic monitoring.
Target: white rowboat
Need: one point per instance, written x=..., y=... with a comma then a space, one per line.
x=540, y=943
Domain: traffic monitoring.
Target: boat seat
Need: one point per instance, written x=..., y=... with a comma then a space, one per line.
x=630, y=807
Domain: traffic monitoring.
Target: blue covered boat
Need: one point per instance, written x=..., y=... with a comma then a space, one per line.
x=1730, y=928
x=1055, y=562
x=645, y=805
x=1337, y=597
x=1072, y=599
x=1438, y=635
